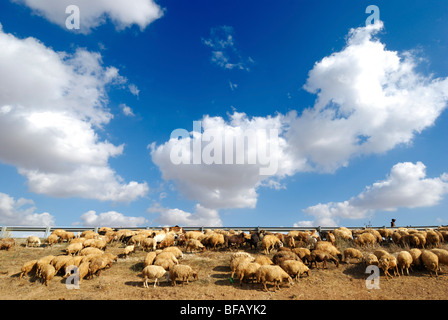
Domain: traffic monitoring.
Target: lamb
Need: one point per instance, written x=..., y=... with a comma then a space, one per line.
x=42, y=262
x=194, y=244
x=246, y=269
x=47, y=273
x=74, y=248
x=352, y=253
x=329, y=248
x=404, y=261
x=272, y=273
x=27, y=267
x=59, y=262
x=181, y=272
x=430, y=261
x=269, y=242
x=83, y=270
x=295, y=268
x=154, y=273
x=33, y=241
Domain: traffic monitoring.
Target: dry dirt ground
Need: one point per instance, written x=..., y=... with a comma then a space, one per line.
x=123, y=281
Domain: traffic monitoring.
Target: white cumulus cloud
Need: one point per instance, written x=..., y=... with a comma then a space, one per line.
x=53, y=106
x=110, y=219
x=123, y=13
x=406, y=187
x=201, y=217
x=22, y=212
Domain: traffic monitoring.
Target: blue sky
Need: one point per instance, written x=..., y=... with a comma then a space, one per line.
x=70, y=155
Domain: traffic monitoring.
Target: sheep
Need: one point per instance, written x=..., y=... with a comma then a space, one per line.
x=343, y=233
x=74, y=248
x=214, y=240
x=240, y=254
x=66, y=235
x=90, y=251
x=432, y=238
x=284, y=255
x=7, y=243
x=322, y=256
x=246, y=269
x=175, y=250
x=371, y=259
x=33, y=241
x=380, y=252
x=387, y=262
x=28, y=267
x=59, y=262
x=404, y=261
x=167, y=260
x=155, y=273
x=194, y=244
x=269, y=242
x=52, y=239
x=47, y=273
x=149, y=244
x=182, y=272
x=366, y=239
x=303, y=253
x=98, y=264
x=168, y=241
x=272, y=273
x=442, y=254
x=149, y=258
x=430, y=261
x=329, y=248
x=263, y=260
x=352, y=253
x=295, y=268
x=42, y=262
x=236, y=261
x=128, y=250
x=416, y=256
x=95, y=243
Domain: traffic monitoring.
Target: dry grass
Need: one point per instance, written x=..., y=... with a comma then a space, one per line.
x=123, y=281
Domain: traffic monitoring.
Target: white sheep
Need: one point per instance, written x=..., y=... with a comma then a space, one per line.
x=442, y=254
x=269, y=242
x=128, y=250
x=272, y=273
x=194, y=244
x=149, y=258
x=237, y=260
x=152, y=272
x=47, y=273
x=352, y=253
x=183, y=273
x=28, y=267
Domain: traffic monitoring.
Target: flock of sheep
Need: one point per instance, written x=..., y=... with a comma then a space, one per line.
x=258, y=256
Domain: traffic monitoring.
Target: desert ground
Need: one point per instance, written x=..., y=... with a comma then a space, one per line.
x=123, y=280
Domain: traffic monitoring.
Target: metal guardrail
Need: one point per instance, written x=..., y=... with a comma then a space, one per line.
x=48, y=230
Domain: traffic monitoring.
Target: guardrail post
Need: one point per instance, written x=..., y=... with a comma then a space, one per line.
x=47, y=232
x=4, y=229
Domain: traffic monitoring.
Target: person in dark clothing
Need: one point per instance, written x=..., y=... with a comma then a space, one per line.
x=392, y=223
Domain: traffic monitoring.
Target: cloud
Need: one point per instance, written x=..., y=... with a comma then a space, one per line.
x=110, y=219
x=123, y=13
x=133, y=89
x=201, y=217
x=53, y=106
x=22, y=212
x=369, y=100
x=406, y=187
x=230, y=184
x=127, y=111
x=224, y=52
